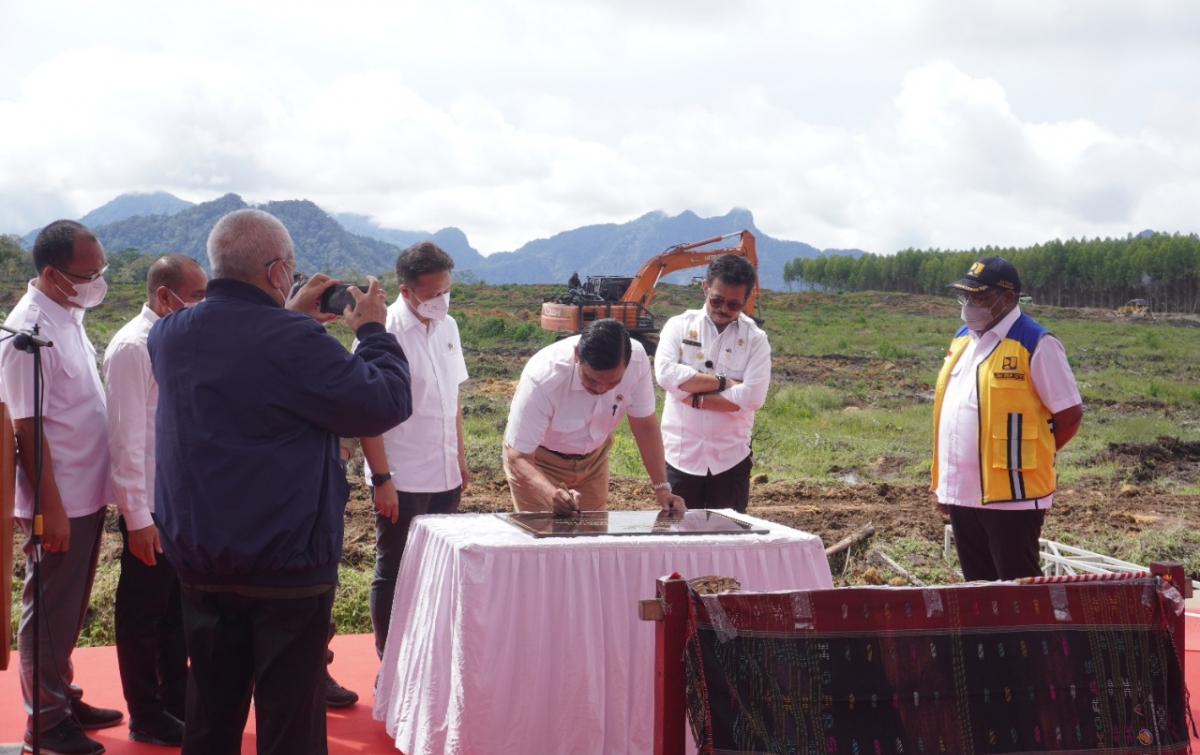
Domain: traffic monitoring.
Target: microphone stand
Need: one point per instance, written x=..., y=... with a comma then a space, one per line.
x=31, y=343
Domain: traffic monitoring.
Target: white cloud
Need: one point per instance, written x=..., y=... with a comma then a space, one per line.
x=874, y=125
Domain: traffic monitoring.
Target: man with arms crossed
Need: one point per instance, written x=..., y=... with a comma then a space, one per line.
x=571, y=396
x=151, y=653
x=1005, y=402
x=250, y=496
x=420, y=466
x=75, y=484
x=715, y=366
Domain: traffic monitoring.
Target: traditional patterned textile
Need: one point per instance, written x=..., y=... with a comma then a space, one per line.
x=968, y=670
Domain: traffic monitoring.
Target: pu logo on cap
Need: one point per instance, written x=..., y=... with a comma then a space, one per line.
x=976, y=270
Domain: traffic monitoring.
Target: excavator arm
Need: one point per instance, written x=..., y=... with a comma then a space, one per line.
x=632, y=309
x=683, y=256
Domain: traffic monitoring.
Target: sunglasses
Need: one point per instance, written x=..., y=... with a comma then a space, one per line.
x=720, y=302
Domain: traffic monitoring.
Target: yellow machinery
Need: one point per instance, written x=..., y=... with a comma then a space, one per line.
x=1134, y=308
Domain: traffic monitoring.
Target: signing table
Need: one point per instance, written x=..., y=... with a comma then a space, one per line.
x=503, y=643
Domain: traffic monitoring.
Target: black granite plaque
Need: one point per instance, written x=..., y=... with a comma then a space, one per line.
x=692, y=522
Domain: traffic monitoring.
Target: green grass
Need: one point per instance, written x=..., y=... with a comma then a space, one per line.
x=351, y=607
x=809, y=432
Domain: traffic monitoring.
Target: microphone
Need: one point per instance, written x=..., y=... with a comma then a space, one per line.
x=27, y=340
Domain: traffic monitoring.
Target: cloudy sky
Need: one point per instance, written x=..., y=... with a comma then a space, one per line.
x=876, y=124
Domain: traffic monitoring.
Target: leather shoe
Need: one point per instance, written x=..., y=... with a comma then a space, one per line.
x=337, y=696
x=65, y=738
x=91, y=717
x=163, y=729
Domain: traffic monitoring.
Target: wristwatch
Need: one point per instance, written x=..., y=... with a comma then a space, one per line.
x=661, y=486
x=379, y=479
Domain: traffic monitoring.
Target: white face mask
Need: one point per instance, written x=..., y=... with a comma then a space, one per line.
x=287, y=291
x=435, y=308
x=977, y=318
x=87, y=295
x=186, y=304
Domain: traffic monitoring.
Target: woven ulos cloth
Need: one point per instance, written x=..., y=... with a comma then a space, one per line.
x=1089, y=667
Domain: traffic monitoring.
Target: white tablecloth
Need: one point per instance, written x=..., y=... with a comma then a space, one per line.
x=502, y=643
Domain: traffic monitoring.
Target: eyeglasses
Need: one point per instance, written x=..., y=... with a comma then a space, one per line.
x=720, y=302
x=84, y=278
x=297, y=276
x=984, y=299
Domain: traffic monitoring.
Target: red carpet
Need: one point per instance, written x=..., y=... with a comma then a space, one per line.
x=351, y=730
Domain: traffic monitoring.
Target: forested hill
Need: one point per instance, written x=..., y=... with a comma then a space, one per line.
x=321, y=242
x=1162, y=268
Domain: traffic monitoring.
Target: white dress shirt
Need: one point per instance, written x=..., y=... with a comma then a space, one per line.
x=74, y=417
x=551, y=407
x=132, y=401
x=698, y=441
x=422, y=451
x=958, y=431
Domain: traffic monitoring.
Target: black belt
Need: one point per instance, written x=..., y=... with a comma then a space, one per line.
x=568, y=457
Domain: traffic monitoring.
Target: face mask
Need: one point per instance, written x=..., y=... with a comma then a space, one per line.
x=87, y=295
x=186, y=304
x=435, y=308
x=977, y=318
x=288, y=293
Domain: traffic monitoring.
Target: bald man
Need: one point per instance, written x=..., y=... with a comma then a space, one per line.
x=151, y=654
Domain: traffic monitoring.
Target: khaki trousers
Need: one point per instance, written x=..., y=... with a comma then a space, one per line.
x=588, y=476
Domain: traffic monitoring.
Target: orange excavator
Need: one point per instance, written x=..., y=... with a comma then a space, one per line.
x=628, y=298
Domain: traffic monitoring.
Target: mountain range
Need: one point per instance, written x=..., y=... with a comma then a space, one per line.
x=346, y=244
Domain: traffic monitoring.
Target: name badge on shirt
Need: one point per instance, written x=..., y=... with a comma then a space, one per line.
x=689, y=342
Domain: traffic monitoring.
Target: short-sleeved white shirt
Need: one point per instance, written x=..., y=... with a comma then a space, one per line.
x=74, y=417
x=422, y=451
x=132, y=401
x=551, y=407
x=697, y=441
x=958, y=431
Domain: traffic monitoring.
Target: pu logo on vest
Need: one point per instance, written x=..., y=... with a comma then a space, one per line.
x=1008, y=370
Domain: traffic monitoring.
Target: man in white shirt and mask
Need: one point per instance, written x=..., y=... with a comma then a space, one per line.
x=151, y=654
x=75, y=483
x=419, y=466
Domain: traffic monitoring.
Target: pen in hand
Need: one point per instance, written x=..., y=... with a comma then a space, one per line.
x=574, y=498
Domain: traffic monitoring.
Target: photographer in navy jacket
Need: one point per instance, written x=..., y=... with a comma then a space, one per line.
x=250, y=496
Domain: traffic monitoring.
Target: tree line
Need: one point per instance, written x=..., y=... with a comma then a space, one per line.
x=1162, y=268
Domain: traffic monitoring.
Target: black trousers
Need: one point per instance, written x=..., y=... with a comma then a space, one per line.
x=151, y=652
x=389, y=549
x=270, y=648
x=994, y=544
x=728, y=490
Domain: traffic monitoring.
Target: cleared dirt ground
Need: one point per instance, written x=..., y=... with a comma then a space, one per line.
x=896, y=510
